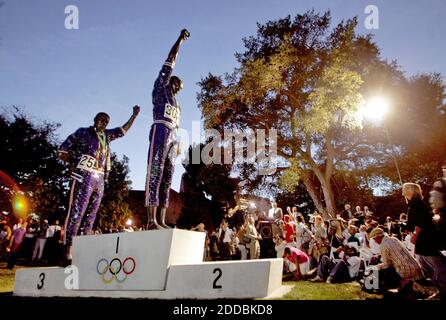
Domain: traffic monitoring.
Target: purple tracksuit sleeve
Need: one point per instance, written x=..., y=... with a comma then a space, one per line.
x=70, y=142
x=164, y=75
x=115, y=133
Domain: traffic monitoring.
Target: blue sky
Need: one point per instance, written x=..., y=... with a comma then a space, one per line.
x=111, y=62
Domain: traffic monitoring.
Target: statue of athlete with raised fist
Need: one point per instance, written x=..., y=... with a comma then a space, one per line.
x=164, y=146
x=87, y=153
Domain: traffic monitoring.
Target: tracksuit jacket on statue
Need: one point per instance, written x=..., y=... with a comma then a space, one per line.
x=91, y=157
x=163, y=140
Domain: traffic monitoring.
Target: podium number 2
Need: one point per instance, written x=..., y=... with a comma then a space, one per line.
x=42, y=278
x=219, y=273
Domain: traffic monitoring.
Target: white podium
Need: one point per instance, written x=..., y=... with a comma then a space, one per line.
x=159, y=264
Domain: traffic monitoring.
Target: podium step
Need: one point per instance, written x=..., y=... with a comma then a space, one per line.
x=41, y=282
x=134, y=260
x=209, y=280
x=226, y=279
x=158, y=264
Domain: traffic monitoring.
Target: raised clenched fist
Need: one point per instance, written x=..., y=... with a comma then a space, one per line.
x=184, y=34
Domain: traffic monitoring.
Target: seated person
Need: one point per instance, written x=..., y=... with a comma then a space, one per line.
x=335, y=238
x=351, y=239
x=338, y=271
x=279, y=245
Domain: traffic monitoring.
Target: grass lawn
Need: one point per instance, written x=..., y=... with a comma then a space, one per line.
x=306, y=290
x=6, y=278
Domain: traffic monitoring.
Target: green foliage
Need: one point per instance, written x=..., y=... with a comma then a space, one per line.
x=336, y=101
x=290, y=178
x=114, y=210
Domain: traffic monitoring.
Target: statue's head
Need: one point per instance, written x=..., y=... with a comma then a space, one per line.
x=176, y=84
x=101, y=121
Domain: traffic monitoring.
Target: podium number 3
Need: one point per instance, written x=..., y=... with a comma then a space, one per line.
x=42, y=278
x=219, y=273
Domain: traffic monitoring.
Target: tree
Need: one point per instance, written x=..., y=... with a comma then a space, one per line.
x=307, y=82
x=299, y=198
x=114, y=210
x=418, y=129
x=29, y=158
x=207, y=191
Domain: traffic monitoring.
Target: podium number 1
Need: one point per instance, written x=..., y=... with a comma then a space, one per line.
x=219, y=273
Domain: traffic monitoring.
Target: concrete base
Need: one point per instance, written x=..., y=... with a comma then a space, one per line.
x=159, y=264
x=211, y=280
x=153, y=295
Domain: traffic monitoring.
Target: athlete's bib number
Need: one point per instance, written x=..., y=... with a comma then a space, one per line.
x=87, y=163
x=172, y=113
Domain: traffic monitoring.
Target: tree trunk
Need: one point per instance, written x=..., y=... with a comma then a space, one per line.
x=328, y=210
x=314, y=194
x=329, y=198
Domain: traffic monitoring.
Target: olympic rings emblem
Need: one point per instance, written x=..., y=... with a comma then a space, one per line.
x=115, y=269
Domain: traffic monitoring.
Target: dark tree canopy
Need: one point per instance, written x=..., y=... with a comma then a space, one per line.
x=114, y=210
x=29, y=157
x=207, y=191
x=418, y=126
